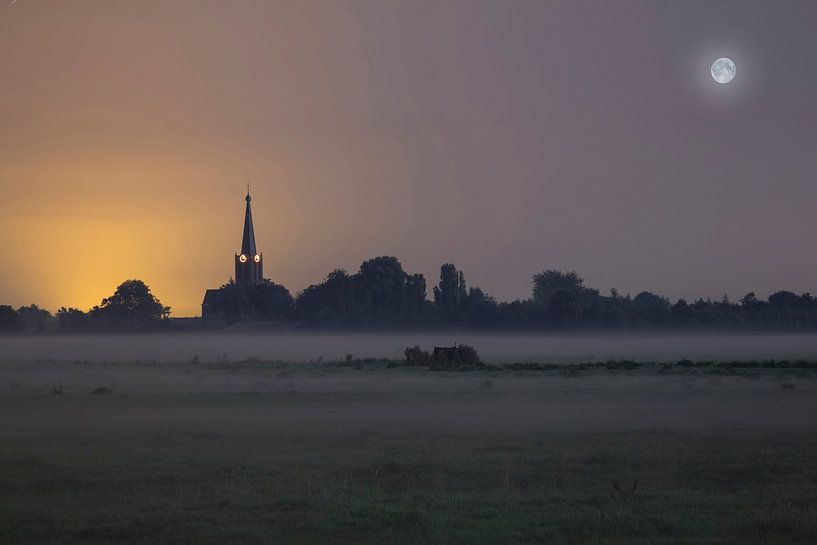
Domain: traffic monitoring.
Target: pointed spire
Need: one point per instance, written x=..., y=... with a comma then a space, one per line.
x=248, y=240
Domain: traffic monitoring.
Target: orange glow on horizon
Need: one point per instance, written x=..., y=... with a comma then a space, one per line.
x=79, y=222
x=71, y=243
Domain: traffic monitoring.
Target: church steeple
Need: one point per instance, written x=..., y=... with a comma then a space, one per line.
x=249, y=264
x=248, y=240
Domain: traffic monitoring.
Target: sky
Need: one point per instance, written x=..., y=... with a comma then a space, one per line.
x=505, y=137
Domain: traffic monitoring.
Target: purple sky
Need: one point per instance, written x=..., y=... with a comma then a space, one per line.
x=507, y=137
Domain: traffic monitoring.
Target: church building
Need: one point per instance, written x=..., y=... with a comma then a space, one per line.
x=249, y=265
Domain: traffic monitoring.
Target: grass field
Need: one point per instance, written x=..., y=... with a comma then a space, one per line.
x=258, y=452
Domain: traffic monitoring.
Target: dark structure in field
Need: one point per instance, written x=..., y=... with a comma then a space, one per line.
x=249, y=296
x=445, y=353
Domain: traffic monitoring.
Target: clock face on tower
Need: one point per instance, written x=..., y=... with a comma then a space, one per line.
x=257, y=258
x=242, y=258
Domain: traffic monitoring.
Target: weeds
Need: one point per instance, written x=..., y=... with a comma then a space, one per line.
x=623, y=491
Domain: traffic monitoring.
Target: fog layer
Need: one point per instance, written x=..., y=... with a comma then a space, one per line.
x=491, y=348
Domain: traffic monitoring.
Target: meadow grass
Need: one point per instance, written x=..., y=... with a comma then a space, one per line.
x=294, y=464
x=176, y=486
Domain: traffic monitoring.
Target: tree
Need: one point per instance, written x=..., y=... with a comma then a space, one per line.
x=72, y=320
x=650, y=309
x=273, y=300
x=132, y=306
x=560, y=298
x=235, y=302
x=330, y=303
x=417, y=306
x=482, y=310
x=9, y=319
x=381, y=294
x=547, y=283
x=451, y=294
x=749, y=300
x=682, y=314
x=380, y=285
x=785, y=299
x=34, y=319
x=566, y=306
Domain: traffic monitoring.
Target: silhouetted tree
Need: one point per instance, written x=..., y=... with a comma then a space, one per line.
x=34, y=319
x=380, y=295
x=481, y=310
x=651, y=309
x=786, y=300
x=450, y=296
x=547, y=283
x=9, y=320
x=266, y=301
x=73, y=320
x=416, y=294
x=132, y=306
x=381, y=288
x=331, y=303
x=682, y=314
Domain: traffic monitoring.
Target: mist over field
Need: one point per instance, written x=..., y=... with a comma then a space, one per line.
x=491, y=348
x=132, y=439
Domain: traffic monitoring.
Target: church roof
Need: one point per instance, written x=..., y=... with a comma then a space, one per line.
x=213, y=302
x=248, y=240
x=212, y=297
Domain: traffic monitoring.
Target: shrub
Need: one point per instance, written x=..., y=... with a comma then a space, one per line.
x=467, y=356
x=415, y=356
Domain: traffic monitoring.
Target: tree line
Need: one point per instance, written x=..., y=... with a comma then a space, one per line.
x=382, y=296
x=132, y=307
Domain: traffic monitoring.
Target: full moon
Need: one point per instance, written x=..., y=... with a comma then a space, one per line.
x=723, y=70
